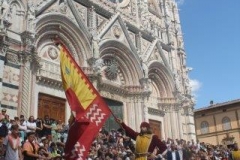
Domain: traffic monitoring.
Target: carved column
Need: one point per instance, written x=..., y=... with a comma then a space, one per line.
x=145, y=111
x=143, y=14
x=92, y=20
x=144, y=107
x=190, y=127
x=30, y=63
x=25, y=94
x=137, y=110
x=3, y=43
x=144, y=97
x=179, y=120
x=95, y=61
x=3, y=51
x=172, y=121
x=176, y=117
x=167, y=122
x=139, y=42
x=130, y=110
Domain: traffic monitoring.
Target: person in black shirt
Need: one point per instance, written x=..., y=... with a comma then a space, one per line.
x=39, y=129
x=47, y=128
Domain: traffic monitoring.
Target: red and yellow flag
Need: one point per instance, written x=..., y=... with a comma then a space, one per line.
x=87, y=105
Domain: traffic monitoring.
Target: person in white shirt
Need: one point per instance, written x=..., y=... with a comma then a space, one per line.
x=22, y=129
x=13, y=144
x=31, y=125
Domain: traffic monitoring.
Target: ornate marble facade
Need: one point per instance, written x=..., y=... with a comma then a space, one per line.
x=132, y=50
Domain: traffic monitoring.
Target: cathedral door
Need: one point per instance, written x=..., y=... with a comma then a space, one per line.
x=156, y=127
x=52, y=106
x=117, y=109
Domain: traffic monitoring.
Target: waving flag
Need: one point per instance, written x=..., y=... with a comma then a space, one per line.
x=88, y=107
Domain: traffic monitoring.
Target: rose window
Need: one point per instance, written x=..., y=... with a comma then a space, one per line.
x=111, y=70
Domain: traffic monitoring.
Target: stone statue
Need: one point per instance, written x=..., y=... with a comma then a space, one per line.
x=5, y=10
x=171, y=39
x=98, y=65
x=95, y=47
x=63, y=6
x=144, y=69
x=151, y=4
x=144, y=13
x=177, y=81
x=187, y=86
x=4, y=6
x=180, y=43
x=30, y=16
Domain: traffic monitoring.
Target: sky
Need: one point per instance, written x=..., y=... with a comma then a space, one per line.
x=211, y=31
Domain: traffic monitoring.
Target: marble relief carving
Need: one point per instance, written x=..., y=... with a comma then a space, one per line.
x=52, y=53
x=82, y=12
x=31, y=16
x=63, y=7
x=3, y=49
x=49, y=73
x=12, y=58
x=101, y=21
x=116, y=31
x=145, y=45
x=50, y=70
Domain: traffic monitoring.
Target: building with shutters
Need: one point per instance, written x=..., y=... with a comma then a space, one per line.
x=219, y=124
x=131, y=50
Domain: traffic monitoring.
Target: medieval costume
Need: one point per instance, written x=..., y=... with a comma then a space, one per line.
x=146, y=142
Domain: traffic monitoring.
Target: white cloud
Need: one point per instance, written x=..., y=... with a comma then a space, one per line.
x=180, y=2
x=195, y=86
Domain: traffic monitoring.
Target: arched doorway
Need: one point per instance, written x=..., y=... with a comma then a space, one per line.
x=117, y=109
x=52, y=106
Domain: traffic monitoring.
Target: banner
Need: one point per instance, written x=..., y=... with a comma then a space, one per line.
x=88, y=107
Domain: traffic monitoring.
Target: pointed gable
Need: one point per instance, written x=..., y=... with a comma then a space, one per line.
x=155, y=56
x=101, y=21
x=74, y=11
x=61, y=8
x=155, y=53
x=116, y=29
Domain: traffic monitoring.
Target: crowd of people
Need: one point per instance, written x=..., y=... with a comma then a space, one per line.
x=39, y=139
x=31, y=138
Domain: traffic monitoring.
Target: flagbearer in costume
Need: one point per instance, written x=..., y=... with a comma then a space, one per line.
x=146, y=142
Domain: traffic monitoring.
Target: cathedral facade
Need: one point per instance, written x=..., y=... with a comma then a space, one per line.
x=131, y=50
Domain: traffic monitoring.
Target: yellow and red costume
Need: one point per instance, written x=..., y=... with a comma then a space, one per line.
x=145, y=143
x=236, y=155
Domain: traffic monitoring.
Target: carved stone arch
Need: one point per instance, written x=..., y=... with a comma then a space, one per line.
x=159, y=75
x=130, y=66
x=55, y=26
x=19, y=3
x=16, y=14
